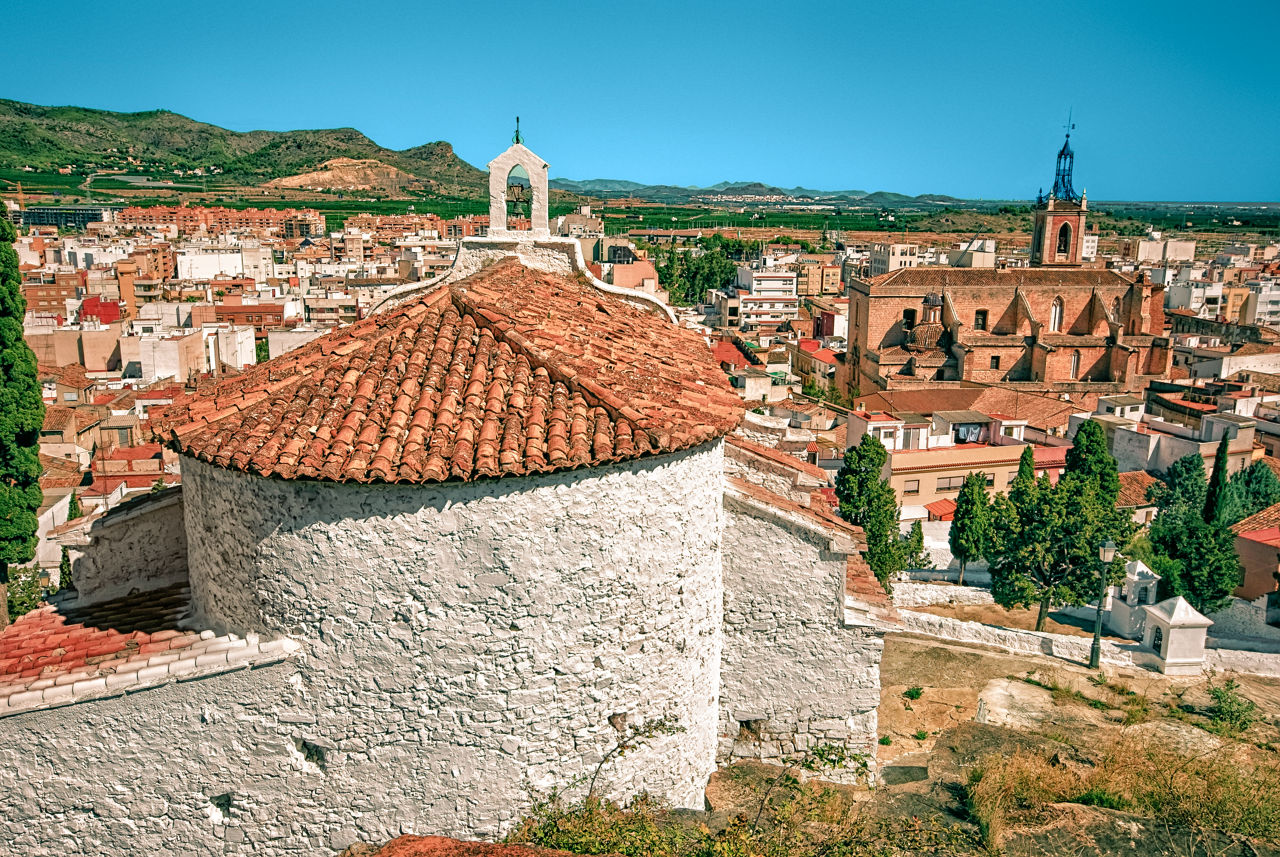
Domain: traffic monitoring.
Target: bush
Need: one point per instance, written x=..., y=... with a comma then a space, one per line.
x=885, y=740
x=25, y=591
x=913, y=693
x=1230, y=712
x=921, y=735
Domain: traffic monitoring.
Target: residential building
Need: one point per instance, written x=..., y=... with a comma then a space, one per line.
x=1139, y=441
x=886, y=258
x=767, y=297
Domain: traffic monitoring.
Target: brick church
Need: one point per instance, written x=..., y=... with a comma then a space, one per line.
x=1056, y=326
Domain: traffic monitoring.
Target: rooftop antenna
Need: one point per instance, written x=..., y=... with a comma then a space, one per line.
x=517, y=139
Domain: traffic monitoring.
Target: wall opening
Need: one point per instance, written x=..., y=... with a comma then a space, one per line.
x=1055, y=316
x=1064, y=239
x=1157, y=641
x=749, y=730
x=519, y=199
x=1075, y=365
x=220, y=808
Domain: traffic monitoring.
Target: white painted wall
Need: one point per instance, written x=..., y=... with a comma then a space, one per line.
x=790, y=665
x=505, y=621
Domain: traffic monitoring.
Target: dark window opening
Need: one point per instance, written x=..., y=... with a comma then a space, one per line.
x=908, y=318
x=995, y=362
x=980, y=320
x=1064, y=238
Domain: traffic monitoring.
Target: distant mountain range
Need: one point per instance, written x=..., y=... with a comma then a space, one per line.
x=49, y=137
x=159, y=141
x=619, y=188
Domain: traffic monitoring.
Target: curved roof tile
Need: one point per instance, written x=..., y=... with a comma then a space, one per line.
x=508, y=372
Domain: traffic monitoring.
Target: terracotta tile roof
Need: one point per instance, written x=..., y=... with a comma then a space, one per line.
x=1133, y=488
x=58, y=418
x=778, y=457
x=71, y=376
x=940, y=279
x=508, y=372
x=135, y=453
x=726, y=352
x=60, y=473
x=824, y=355
x=1272, y=462
x=943, y=510
x=53, y=656
x=1268, y=517
x=1042, y=412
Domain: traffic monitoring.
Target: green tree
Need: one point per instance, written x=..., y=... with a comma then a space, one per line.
x=880, y=526
x=862, y=469
x=64, y=570
x=1184, y=485
x=1046, y=540
x=73, y=507
x=1252, y=490
x=21, y=415
x=913, y=548
x=1089, y=457
x=970, y=528
x=1215, y=499
x=262, y=351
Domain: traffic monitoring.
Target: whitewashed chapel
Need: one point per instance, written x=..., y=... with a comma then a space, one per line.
x=430, y=564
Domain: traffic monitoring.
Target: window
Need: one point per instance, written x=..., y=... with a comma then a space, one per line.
x=995, y=361
x=68, y=397
x=1055, y=316
x=950, y=483
x=1012, y=476
x=980, y=320
x=1064, y=238
x=1075, y=365
x=991, y=480
x=911, y=487
x=908, y=318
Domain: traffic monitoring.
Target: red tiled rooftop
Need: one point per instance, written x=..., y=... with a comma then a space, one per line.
x=1133, y=488
x=943, y=510
x=508, y=372
x=825, y=355
x=727, y=352
x=135, y=453
x=58, y=418
x=52, y=655
x=1264, y=520
x=778, y=457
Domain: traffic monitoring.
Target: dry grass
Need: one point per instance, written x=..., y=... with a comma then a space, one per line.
x=1231, y=789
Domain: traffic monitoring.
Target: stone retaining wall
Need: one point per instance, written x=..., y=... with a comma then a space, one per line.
x=911, y=594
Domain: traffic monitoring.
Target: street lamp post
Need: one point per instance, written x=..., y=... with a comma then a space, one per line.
x=1106, y=553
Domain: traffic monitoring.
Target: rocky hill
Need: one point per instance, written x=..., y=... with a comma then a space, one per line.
x=50, y=137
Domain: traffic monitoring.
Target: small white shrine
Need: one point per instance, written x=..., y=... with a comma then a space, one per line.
x=1176, y=631
x=1126, y=616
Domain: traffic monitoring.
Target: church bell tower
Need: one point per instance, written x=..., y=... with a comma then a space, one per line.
x=1058, y=239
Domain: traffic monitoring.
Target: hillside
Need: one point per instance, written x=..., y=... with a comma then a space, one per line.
x=161, y=141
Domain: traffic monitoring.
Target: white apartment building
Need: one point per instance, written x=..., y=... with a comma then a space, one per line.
x=891, y=257
x=767, y=297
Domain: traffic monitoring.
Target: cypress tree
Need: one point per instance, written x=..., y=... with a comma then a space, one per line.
x=1089, y=457
x=21, y=415
x=1215, y=497
x=73, y=507
x=863, y=466
x=880, y=526
x=972, y=521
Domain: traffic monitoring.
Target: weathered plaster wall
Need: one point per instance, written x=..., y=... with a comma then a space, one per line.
x=475, y=640
x=138, y=546
x=793, y=674
x=1243, y=619
x=912, y=594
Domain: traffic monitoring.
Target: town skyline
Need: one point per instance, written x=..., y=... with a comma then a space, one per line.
x=987, y=131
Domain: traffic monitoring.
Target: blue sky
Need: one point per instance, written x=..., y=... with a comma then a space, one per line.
x=1173, y=100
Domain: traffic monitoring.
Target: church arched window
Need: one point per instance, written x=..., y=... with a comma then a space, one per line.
x=1055, y=315
x=1064, y=238
x=1075, y=365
